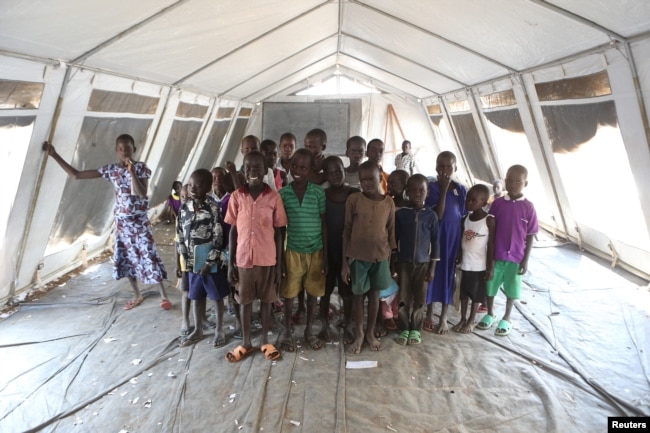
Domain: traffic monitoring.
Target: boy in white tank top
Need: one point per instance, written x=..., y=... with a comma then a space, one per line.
x=478, y=227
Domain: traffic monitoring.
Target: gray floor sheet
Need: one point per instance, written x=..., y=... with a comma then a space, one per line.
x=75, y=361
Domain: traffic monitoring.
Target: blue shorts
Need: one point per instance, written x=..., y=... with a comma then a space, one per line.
x=214, y=286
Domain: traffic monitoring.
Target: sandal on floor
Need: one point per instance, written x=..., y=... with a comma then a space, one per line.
x=486, y=322
x=403, y=338
x=414, y=337
x=166, y=304
x=270, y=352
x=132, y=304
x=238, y=353
x=429, y=326
x=503, y=328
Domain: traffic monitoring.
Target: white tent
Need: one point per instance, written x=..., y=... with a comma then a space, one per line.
x=560, y=86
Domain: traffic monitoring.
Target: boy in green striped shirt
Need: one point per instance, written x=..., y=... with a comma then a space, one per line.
x=304, y=265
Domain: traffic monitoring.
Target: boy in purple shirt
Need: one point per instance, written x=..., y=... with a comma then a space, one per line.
x=515, y=228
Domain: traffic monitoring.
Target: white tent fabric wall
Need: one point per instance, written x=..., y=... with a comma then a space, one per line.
x=431, y=53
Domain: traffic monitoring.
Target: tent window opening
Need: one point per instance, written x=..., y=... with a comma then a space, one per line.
x=234, y=141
x=15, y=135
x=85, y=210
x=225, y=113
x=590, y=154
x=499, y=99
x=105, y=101
x=20, y=95
x=470, y=143
x=426, y=156
x=588, y=86
x=245, y=112
x=213, y=144
x=458, y=106
x=191, y=111
x=511, y=147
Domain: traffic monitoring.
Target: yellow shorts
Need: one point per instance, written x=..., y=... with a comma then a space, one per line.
x=303, y=270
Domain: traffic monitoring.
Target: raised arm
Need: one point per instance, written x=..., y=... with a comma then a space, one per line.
x=72, y=172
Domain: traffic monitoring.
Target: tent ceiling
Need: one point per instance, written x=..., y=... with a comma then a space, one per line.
x=254, y=49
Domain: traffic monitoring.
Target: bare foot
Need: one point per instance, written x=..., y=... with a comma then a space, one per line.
x=324, y=334
x=193, y=338
x=314, y=342
x=355, y=346
x=443, y=328
x=459, y=326
x=373, y=342
x=219, y=338
x=380, y=331
x=348, y=335
x=287, y=344
x=468, y=328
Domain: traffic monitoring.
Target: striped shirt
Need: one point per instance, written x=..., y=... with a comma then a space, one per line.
x=304, y=231
x=405, y=161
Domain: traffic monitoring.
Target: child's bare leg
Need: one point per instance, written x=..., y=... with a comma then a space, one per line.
x=348, y=334
x=286, y=341
x=137, y=296
x=267, y=309
x=357, y=311
x=379, y=330
x=246, y=312
x=297, y=318
x=469, y=323
x=324, y=311
x=198, y=310
x=185, y=309
x=509, y=303
x=219, y=335
x=490, y=305
x=428, y=320
x=314, y=342
x=237, y=309
x=442, y=327
x=463, y=313
x=373, y=311
x=161, y=289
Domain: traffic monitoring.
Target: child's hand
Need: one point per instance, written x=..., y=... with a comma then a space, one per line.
x=278, y=276
x=430, y=272
x=130, y=166
x=233, y=275
x=230, y=166
x=345, y=272
x=489, y=273
x=178, y=273
x=444, y=180
x=47, y=147
x=284, y=270
x=523, y=267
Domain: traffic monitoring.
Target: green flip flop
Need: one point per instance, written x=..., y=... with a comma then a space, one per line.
x=486, y=322
x=414, y=338
x=503, y=329
x=403, y=338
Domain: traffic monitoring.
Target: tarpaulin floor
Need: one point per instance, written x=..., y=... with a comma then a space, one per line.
x=74, y=360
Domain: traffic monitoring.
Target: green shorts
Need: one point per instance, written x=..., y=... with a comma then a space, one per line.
x=506, y=273
x=369, y=275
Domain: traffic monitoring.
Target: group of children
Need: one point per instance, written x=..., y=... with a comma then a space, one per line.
x=304, y=223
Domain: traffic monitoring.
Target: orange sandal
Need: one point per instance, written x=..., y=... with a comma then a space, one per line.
x=238, y=353
x=270, y=352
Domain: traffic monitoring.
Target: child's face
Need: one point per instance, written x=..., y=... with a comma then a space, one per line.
x=287, y=147
x=198, y=187
x=248, y=146
x=183, y=194
x=300, y=168
x=475, y=200
x=375, y=152
x=497, y=187
x=254, y=171
x=406, y=147
x=177, y=187
x=355, y=153
x=445, y=165
x=270, y=153
x=515, y=183
x=369, y=179
x=314, y=145
x=334, y=174
x=124, y=151
x=218, y=185
x=395, y=185
x=417, y=192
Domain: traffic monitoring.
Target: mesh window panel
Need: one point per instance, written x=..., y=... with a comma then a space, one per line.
x=473, y=150
x=86, y=205
x=589, y=86
x=211, y=149
x=194, y=111
x=179, y=143
x=119, y=102
x=234, y=143
x=20, y=95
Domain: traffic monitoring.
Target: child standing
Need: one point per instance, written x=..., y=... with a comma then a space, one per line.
x=355, y=148
x=368, y=239
x=478, y=229
x=316, y=142
x=256, y=214
x=447, y=197
x=418, y=248
x=515, y=227
x=135, y=255
x=335, y=197
x=305, y=258
x=375, y=153
x=270, y=151
x=173, y=203
x=287, y=147
x=199, y=228
x=404, y=160
x=396, y=186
